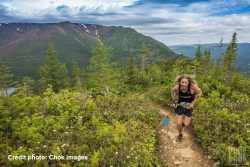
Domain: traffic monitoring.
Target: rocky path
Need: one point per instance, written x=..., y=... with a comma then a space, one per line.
x=185, y=154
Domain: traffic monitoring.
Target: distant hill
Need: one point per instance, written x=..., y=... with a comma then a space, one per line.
x=242, y=59
x=23, y=45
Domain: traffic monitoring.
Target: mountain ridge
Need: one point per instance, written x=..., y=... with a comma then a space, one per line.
x=23, y=45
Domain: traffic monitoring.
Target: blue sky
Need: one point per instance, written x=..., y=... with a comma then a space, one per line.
x=169, y=21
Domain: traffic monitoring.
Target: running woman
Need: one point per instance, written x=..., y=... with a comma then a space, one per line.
x=185, y=94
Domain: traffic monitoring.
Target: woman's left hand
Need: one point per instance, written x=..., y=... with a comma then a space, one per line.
x=191, y=105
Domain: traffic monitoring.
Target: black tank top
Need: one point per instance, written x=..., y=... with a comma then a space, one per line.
x=185, y=97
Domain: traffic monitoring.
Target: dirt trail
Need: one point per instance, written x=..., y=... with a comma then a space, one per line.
x=185, y=154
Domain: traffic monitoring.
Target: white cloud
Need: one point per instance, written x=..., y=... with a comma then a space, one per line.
x=170, y=23
x=194, y=26
x=28, y=6
x=202, y=29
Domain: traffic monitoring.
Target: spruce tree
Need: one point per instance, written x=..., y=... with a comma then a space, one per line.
x=100, y=76
x=26, y=87
x=131, y=71
x=6, y=77
x=144, y=53
x=230, y=55
x=53, y=72
x=154, y=73
x=217, y=70
x=207, y=61
x=198, y=57
x=77, y=76
x=220, y=46
x=198, y=53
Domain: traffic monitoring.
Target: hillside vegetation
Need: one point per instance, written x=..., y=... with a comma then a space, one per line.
x=107, y=114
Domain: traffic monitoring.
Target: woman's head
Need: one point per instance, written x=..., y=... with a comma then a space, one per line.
x=185, y=79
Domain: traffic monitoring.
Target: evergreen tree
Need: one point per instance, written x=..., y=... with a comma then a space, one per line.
x=26, y=87
x=207, y=56
x=100, y=74
x=154, y=73
x=77, y=76
x=6, y=78
x=53, y=72
x=217, y=71
x=131, y=71
x=198, y=53
x=207, y=61
x=198, y=58
x=220, y=46
x=118, y=75
x=230, y=55
x=144, y=53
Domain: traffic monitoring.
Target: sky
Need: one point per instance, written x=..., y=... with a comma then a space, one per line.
x=172, y=22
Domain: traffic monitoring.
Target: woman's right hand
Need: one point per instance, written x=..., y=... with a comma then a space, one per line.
x=174, y=103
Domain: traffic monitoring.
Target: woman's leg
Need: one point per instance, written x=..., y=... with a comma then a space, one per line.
x=179, y=123
x=187, y=121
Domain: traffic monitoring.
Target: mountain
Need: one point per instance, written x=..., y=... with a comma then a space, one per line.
x=242, y=58
x=23, y=45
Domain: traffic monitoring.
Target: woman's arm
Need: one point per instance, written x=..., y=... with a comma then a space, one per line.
x=174, y=93
x=198, y=94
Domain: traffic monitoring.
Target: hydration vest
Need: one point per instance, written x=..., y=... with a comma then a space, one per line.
x=185, y=97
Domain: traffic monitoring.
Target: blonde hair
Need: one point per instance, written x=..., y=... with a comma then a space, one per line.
x=190, y=78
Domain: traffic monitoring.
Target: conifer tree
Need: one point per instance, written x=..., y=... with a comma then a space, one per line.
x=6, y=78
x=220, y=46
x=77, y=75
x=131, y=71
x=207, y=56
x=198, y=57
x=154, y=73
x=53, y=72
x=218, y=62
x=207, y=61
x=144, y=53
x=198, y=53
x=230, y=55
x=99, y=70
x=27, y=86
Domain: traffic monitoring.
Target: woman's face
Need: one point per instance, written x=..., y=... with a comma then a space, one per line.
x=184, y=82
